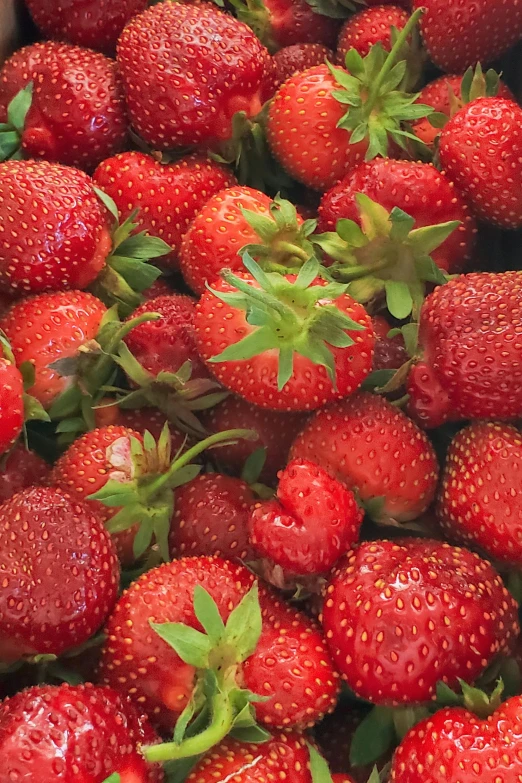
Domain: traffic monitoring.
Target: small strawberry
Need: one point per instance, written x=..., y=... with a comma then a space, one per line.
x=73, y=112
x=168, y=195
x=57, y=734
x=43, y=533
x=368, y=27
x=310, y=523
x=463, y=33
x=377, y=451
x=303, y=354
x=480, y=149
x=294, y=59
x=180, y=90
x=401, y=616
x=390, y=352
x=19, y=469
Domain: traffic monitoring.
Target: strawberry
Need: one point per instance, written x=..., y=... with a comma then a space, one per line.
x=400, y=616
x=479, y=496
x=44, y=532
x=368, y=27
x=275, y=431
x=141, y=420
x=480, y=149
x=11, y=403
x=73, y=112
x=57, y=734
x=181, y=91
x=456, y=744
x=21, y=468
x=310, y=523
x=160, y=190
x=302, y=356
x=57, y=235
x=294, y=59
x=468, y=366
x=211, y=518
x=279, y=23
x=377, y=451
x=390, y=352
x=460, y=34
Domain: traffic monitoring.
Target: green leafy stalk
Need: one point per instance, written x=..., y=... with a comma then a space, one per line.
x=11, y=131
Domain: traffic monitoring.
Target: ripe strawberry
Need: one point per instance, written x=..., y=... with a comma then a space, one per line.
x=44, y=532
x=400, y=616
x=455, y=746
x=211, y=518
x=310, y=523
x=368, y=27
x=479, y=501
x=390, y=352
x=279, y=23
x=21, y=468
x=303, y=317
x=181, y=91
x=43, y=329
x=168, y=195
x=275, y=431
x=463, y=33
x=56, y=734
x=53, y=228
x=480, y=148
x=297, y=58
x=160, y=287
x=469, y=358
x=11, y=404
x=77, y=112
x=377, y=451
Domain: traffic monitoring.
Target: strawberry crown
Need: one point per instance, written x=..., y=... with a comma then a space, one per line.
x=11, y=131
x=336, y=9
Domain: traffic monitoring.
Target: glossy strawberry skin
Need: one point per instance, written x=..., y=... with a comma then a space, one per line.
x=57, y=734
x=480, y=148
x=295, y=22
x=22, y=468
x=369, y=27
x=54, y=533
x=180, y=90
x=461, y=747
x=390, y=352
x=48, y=327
x=160, y=191
x=77, y=115
x=376, y=450
x=311, y=522
x=11, y=404
x=400, y=616
x=421, y=191
x=53, y=214
x=294, y=59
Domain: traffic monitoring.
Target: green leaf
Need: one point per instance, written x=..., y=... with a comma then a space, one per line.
x=193, y=647
x=139, y=275
x=446, y=697
x=398, y=298
x=19, y=106
x=107, y=201
x=244, y=625
x=254, y=465
x=208, y=615
x=410, y=333
x=318, y=767
x=115, y=493
x=373, y=737
x=254, y=735
x=143, y=246
x=114, y=778
x=425, y=240
x=34, y=410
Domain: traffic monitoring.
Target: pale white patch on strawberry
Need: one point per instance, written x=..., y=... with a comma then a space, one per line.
x=119, y=456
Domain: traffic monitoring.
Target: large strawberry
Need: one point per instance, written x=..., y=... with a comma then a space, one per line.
x=187, y=70
x=73, y=110
x=400, y=616
x=284, y=342
x=45, y=532
x=377, y=451
x=469, y=357
x=57, y=734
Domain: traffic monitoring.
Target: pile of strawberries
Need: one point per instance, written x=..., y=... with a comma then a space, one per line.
x=260, y=385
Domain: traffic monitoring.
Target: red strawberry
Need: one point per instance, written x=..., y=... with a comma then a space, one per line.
x=279, y=23
x=21, y=468
x=44, y=532
x=469, y=357
x=180, y=90
x=11, y=404
x=312, y=521
x=368, y=27
x=298, y=58
x=159, y=287
x=401, y=616
x=49, y=327
x=304, y=316
x=480, y=148
x=57, y=734
x=53, y=228
x=275, y=431
x=455, y=746
x=463, y=33
x=211, y=518
x=377, y=451
x=95, y=23
x=418, y=189
x=77, y=113
x=390, y=352
x=479, y=501
x=168, y=195
x=340, y=777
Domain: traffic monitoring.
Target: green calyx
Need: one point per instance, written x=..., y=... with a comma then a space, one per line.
x=147, y=499
x=254, y=13
x=475, y=84
x=385, y=255
x=219, y=706
x=336, y=9
x=11, y=131
x=381, y=730
x=371, y=88
x=127, y=271
x=290, y=317
x=472, y=698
